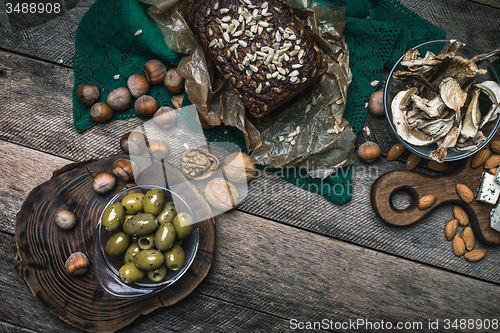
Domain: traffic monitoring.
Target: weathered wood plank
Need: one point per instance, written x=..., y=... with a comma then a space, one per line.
x=45, y=36
x=8, y=328
x=266, y=275
x=195, y=313
x=491, y=3
x=22, y=170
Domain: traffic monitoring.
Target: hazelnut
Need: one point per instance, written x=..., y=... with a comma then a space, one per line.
x=221, y=194
x=104, y=182
x=173, y=81
x=65, y=220
x=158, y=149
x=239, y=168
x=127, y=186
x=88, y=94
x=376, y=103
x=204, y=123
x=136, y=143
x=155, y=71
x=145, y=106
x=124, y=142
x=124, y=169
x=77, y=264
x=165, y=117
x=119, y=99
x=369, y=151
x=138, y=85
x=100, y=112
x=199, y=163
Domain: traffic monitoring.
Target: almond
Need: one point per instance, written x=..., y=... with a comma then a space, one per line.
x=476, y=254
x=426, y=201
x=465, y=193
x=480, y=157
x=492, y=162
x=493, y=171
x=468, y=237
x=450, y=229
x=397, y=150
x=436, y=166
x=412, y=161
x=460, y=215
x=495, y=146
x=458, y=246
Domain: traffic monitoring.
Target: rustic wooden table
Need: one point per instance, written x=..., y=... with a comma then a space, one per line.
x=285, y=256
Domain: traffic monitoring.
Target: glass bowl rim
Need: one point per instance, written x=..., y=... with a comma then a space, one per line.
x=165, y=283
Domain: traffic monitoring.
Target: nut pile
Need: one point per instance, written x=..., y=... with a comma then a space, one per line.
x=138, y=87
x=463, y=243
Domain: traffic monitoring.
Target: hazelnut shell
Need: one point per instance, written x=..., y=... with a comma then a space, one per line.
x=77, y=264
x=369, y=151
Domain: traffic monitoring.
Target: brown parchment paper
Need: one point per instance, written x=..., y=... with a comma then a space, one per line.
x=325, y=142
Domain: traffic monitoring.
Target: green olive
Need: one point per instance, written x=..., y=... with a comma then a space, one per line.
x=146, y=242
x=133, y=203
x=149, y=260
x=128, y=216
x=131, y=253
x=183, y=224
x=178, y=242
x=113, y=216
x=140, y=225
x=158, y=274
x=154, y=200
x=117, y=244
x=165, y=236
x=168, y=213
x=130, y=273
x=174, y=258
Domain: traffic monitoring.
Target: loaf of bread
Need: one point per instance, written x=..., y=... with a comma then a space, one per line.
x=260, y=46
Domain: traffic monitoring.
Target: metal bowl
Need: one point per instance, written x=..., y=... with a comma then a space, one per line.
x=393, y=86
x=107, y=267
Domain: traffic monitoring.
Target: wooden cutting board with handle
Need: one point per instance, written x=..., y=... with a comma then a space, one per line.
x=443, y=187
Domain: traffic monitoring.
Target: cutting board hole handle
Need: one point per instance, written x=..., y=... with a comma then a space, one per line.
x=403, y=199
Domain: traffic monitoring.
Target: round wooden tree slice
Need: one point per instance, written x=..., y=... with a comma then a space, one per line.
x=42, y=248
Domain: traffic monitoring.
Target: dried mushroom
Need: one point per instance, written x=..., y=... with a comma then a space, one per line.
x=440, y=102
x=198, y=163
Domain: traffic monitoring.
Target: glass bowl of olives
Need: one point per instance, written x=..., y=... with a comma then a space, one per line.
x=146, y=240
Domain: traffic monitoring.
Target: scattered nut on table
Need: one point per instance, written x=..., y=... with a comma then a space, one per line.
x=77, y=264
x=198, y=163
x=124, y=169
x=221, y=194
x=238, y=168
x=104, y=182
x=65, y=219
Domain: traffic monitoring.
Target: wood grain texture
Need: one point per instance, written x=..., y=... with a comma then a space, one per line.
x=43, y=249
x=45, y=36
x=444, y=187
x=264, y=275
x=491, y=3
x=25, y=170
x=194, y=313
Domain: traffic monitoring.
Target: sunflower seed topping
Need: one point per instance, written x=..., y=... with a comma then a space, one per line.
x=259, y=89
x=224, y=10
x=226, y=19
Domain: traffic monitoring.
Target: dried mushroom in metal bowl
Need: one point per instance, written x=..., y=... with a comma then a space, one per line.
x=198, y=163
x=436, y=100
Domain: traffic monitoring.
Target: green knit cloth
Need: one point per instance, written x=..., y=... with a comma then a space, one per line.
x=107, y=52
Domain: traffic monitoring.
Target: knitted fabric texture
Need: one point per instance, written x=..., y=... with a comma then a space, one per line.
x=109, y=48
